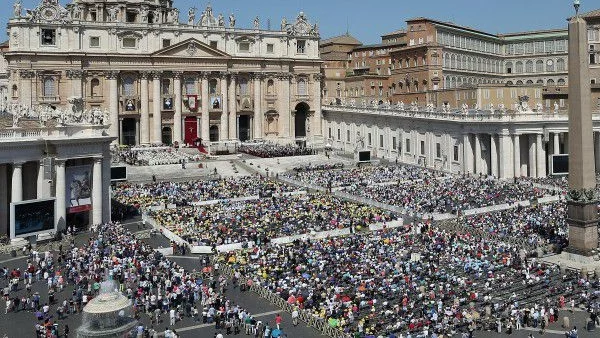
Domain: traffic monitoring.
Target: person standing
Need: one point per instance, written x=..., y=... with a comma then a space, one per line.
x=295, y=316
x=278, y=321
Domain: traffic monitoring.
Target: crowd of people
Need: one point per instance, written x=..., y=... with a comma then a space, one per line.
x=423, y=191
x=322, y=166
x=417, y=280
x=153, y=155
x=267, y=218
x=144, y=195
x=270, y=150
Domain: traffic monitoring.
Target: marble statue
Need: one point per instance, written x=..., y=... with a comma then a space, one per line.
x=284, y=24
x=113, y=12
x=556, y=107
x=175, y=16
x=17, y=9
x=501, y=107
x=144, y=14
x=221, y=20
x=364, y=103
x=414, y=106
x=256, y=23
x=156, y=16
x=492, y=107
x=401, y=105
x=231, y=20
x=191, y=16
x=538, y=107
x=465, y=108
x=77, y=11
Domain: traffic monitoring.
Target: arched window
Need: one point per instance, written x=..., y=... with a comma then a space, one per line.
x=519, y=83
x=529, y=82
x=446, y=60
x=529, y=66
x=270, y=87
x=550, y=82
x=302, y=87
x=95, y=88
x=212, y=86
x=190, y=86
x=509, y=68
x=519, y=67
x=49, y=87
x=540, y=81
x=550, y=66
x=509, y=83
x=128, y=88
x=539, y=66
x=560, y=65
x=166, y=86
x=243, y=86
x=15, y=91
x=561, y=82
x=453, y=59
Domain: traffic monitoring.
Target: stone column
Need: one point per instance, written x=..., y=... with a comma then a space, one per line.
x=4, y=200
x=317, y=129
x=224, y=134
x=285, y=114
x=232, y=108
x=97, y=191
x=258, y=113
x=26, y=90
x=597, y=150
x=40, y=180
x=156, y=109
x=144, y=109
x=556, y=137
x=76, y=78
x=17, y=182
x=506, y=158
x=582, y=199
x=113, y=103
x=517, y=155
x=205, y=123
x=541, y=156
x=177, y=132
x=467, y=154
x=494, y=155
x=478, y=158
x=60, y=194
x=532, y=164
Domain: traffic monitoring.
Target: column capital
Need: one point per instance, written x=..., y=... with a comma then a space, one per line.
x=284, y=76
x=18, y=164
x=256, y=76
x=156, y=74
x=204, y=75
x=224, y=75
x=97, y=159
x=111, y=74
x=27, y=74
x=318, y=77
x=75, y=73
x=177, y=74
x=144, y=74
x=60, y=162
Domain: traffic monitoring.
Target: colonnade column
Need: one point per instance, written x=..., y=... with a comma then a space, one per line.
x=258, y=114
x=205, y=119
x=97, y=191
x=467, y=154
x=517, y=154
x=177, y=133
x=232, y=107
x=556, y=149
x=60, y=194
x=224, y=134
x=532, y=157
x=285, y=113
x=505, y=163
x=156, y=109
x=478, y=159
x=494, y=155
x=40, y=180
x=17, y=182
x=318, y=119
x=113, y=103
x=597, y=151
x=144, y=109
x=3, y=199
x=541, y=156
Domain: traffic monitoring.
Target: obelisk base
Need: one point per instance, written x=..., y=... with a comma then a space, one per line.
x=583, y=227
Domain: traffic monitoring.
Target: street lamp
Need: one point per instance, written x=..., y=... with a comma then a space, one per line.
x=576, y=4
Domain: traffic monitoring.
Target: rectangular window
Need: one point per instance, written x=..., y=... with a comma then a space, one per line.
x=129, y=42
x=166, y=43
x=347, y=135
x=270, y=48
x=339, y=134
x=48, y=37
x=301, y=47
x=94, y=41
x=380, y=141
x=214, y=44
x=370, y=141
x=456, y=153
x=438, y=150
x=407, y=145
x=422, y=147
x=330, y=132
x=131, y=16
x=244, y=47
x=394, y=145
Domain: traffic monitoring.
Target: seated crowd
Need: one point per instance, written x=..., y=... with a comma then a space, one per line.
x=269, y=150
x=184, y=193
x=263, y=219
x=153, y=156
x=414, y=280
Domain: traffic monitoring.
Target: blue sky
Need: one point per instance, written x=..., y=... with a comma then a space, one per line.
x=367, y=20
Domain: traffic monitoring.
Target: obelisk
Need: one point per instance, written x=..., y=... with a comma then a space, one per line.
x=582, y=213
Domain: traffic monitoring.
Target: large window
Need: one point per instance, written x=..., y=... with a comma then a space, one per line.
x=529, y=66
x=212, y=86
x=166, y=86
x=301, y=47
x=128, y=86
x=190, y=86
x=129, y=42
x=94, y=41
x=49, y=87
x=539, y=66
x=302, y=87
x=519, y=67
x=560, y=65
x=244, y=47
x=48, y=37
x=243, y=86
x=95, y=88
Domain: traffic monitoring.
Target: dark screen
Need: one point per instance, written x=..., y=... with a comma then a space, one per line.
x=364, y=156
x=118, y=173
x=560, y=164
x=34, y=217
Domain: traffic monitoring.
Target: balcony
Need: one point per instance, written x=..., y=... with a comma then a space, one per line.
x=49, y=99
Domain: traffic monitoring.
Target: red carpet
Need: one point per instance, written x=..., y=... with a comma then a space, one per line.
x=202, y=149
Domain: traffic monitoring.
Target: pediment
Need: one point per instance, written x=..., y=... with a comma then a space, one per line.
x=191, y=48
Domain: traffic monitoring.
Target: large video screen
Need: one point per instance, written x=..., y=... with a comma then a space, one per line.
x=560, y=164
x=79, y=189
x=364, y=156
x=32, y=217
x=118, y=173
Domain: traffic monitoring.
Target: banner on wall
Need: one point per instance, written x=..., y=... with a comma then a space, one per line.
x=79, y=188
x=192, y=102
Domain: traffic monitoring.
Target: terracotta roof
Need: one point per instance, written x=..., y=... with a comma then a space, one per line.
x=591, y=14
x=345, y=39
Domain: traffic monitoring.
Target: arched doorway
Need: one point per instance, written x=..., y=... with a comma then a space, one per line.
x=300, y=119
x=167, y=136
x=214, y=133
x=244, y=127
